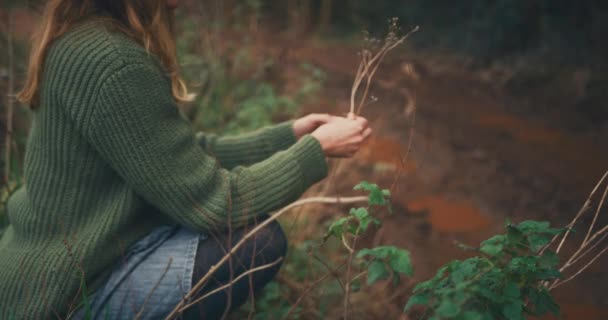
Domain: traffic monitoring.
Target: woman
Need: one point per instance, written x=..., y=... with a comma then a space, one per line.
x=124, y=206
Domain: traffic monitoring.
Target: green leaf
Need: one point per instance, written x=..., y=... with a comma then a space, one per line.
x=381, y=252
x=543, y=302
x=493, y=246
x=377, y=196
x=363, y=218
x=471, y=315
x=511, y=290
x=549, y=259
x=537, y=241
x=448, y=309
x=542, y=227
x=531, y=226
x=337, y=228
x=422, y=298
x=513, y=311
x=515, y=237
x=376, y=271
x=400, y=262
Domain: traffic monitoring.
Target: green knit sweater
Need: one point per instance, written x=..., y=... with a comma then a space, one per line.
x=109, y=158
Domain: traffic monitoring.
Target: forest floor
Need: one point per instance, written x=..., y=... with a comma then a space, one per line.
x=476, y=160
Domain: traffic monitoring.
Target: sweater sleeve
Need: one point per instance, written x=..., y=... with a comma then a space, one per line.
x=249, y=148
x=138, y=130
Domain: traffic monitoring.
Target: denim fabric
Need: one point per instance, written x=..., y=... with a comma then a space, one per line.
x=151, y=280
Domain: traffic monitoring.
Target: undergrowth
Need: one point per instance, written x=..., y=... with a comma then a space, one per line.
x=505, y=280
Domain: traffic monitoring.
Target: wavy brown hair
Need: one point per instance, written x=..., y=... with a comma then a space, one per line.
x=149, y=22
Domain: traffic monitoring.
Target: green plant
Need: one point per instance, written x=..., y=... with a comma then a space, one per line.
x=379, y=262
x=506, y=281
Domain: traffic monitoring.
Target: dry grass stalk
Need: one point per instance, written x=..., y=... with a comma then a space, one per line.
x=592, y=240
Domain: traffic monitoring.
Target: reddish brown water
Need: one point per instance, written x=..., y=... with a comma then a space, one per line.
x=450, y=215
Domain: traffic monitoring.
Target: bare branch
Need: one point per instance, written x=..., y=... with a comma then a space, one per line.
x=326, y=200
x=228, y=285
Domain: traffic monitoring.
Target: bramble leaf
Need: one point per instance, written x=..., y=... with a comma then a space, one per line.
x=337, y=228
x=422, y=298
x=377, y=196
x=448, y=309
x=503, y=283
x=376, y=271
x=364, y=218
x=400, y=262
x=537, y=241
x=493, y=246
x=513, y=311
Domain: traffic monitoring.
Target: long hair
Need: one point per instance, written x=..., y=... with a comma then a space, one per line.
x=149, y=22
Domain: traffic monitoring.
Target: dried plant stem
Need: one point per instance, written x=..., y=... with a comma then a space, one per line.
x=581, y=212
x=347, y=284
x=232, y=282
x=589, y=243
x=10, y=103
x=308, y=289
x=559, y=283
x=179, y=308
x=367, y=69
x=350, y=250
x=597, y=213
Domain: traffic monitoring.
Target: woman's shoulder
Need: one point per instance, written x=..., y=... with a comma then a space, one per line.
x=94, y=46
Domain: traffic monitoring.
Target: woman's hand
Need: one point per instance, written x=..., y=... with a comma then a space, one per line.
x=310, y=123
x=343, y=137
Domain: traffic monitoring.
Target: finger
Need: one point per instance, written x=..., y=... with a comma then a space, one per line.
x=320, y=118
x=362, y=121
x=367, y=132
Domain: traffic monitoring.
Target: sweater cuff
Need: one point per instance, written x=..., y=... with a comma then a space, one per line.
x=311, y=158
x=281, y=136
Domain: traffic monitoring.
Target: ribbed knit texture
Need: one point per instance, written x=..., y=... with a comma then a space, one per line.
x=109, y=158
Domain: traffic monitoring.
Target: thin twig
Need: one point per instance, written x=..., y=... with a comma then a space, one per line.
x=333, y=272
x=232, y=282
x=10, y=103
x=141, y=311
x=588, y=238
x=307, y=290
x=348, y=281
x=597, y=213
x=326, y=200
x=588, y=244
x=557, y=284
x=367, y=69
x=350, y=250
x=580, y=213
x=597, y=243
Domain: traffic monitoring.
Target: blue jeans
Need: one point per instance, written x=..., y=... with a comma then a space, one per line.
x=154, y=275
x=158, y=270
